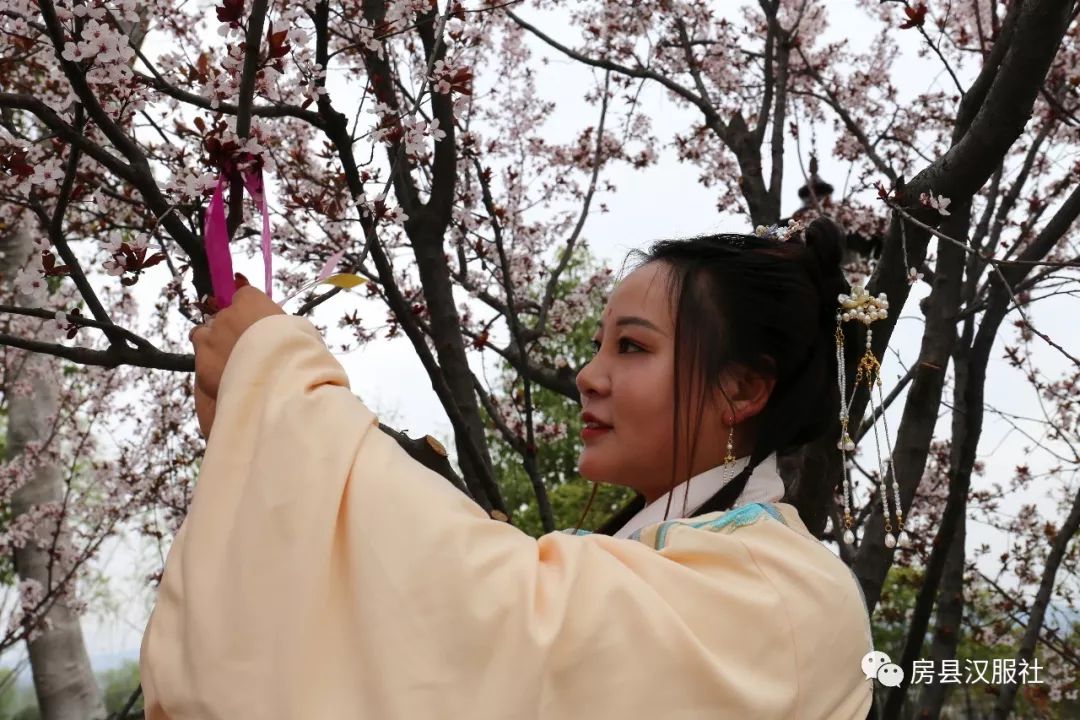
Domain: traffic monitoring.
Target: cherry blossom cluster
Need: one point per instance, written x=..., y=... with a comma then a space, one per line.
x=30, y=166
x=26, y=618
x=190, y=184
x=105, y=54
x=99, y=43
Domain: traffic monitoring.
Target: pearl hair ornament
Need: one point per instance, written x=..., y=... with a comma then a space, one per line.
x=863, y=307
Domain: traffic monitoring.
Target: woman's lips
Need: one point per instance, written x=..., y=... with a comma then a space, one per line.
x=589, y=433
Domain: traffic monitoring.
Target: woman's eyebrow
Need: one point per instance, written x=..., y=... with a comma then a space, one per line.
x=633, y=320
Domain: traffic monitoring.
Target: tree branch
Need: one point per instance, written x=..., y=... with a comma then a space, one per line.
x=115, y=356
x=568, y=250
x=252, y=50
x=846, y=118
x=265, y=111
x=107, y=326
x=444, y=164
x=640, y=72
x=529, y=449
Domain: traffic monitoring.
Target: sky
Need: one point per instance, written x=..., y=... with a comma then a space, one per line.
x=664, y=200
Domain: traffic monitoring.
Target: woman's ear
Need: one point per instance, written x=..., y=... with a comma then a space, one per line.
x=747, y=392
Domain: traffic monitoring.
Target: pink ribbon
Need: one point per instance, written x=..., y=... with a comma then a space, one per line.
x=254, y=184
x=331, y=264
x=216, y=233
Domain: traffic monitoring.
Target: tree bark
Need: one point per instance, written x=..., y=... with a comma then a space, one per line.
x=950, y=599
x=950, y=615
x=63, y=679
x=450, y=350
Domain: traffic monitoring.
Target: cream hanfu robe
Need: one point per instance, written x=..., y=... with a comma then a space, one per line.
x=322, y=573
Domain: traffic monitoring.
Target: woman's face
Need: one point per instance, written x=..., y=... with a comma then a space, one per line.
x=627, y=386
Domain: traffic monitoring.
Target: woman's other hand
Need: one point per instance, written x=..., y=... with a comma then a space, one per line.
x=214, y=342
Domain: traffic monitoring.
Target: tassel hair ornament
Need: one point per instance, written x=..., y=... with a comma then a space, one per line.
x=863, y=307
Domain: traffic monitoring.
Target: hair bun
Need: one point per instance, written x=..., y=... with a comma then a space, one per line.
x=826, y=243
x=825, y=239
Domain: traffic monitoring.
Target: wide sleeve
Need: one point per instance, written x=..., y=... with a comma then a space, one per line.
x=322, y=573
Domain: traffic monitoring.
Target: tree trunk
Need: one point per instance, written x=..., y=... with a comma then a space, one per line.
x=950, y=615
x=63, y=679
x=950, y=599
x=450, y=350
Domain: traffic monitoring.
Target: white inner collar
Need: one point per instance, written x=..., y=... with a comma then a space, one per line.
x=764, y=485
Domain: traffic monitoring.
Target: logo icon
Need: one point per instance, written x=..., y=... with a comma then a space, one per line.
x=876, y=664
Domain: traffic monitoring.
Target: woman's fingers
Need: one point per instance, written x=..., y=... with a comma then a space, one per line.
x=215, y=340
x=205, y=409
x=207, y=360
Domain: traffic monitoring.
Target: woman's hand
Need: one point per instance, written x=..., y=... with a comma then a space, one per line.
x=214, y=342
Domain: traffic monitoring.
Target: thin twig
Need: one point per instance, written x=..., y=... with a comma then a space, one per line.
x=994, y=264
x=549, y=291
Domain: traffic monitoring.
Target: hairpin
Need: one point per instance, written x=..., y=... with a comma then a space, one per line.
x=860, y=305
x=780, y=233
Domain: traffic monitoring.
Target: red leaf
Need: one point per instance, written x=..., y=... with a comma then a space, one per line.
x=230, y=11
x=16, y=164
x=916, y=16
x=279, y=47
x=23, y=43
x=153, y=260
x=207, y=306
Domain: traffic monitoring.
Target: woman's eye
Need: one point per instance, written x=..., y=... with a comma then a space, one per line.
x=624, y=343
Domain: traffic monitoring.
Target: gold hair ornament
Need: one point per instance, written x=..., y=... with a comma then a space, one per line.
x=860, y=305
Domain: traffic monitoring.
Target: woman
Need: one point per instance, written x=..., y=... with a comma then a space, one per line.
x=322, y=573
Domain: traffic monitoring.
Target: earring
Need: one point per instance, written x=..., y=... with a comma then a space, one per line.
x=729, y=459
x=864, y=307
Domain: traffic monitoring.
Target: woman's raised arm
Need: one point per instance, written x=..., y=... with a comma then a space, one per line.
x=323, y=573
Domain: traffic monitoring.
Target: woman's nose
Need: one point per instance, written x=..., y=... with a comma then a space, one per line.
x=592, y=379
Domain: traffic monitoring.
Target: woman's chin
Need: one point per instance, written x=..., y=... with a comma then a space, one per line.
x=593, y=467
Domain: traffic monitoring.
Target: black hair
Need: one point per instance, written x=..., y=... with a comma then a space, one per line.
x=768, y=305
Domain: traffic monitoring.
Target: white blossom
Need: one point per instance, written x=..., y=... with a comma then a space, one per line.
x=939, y=203
x=31, y=282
